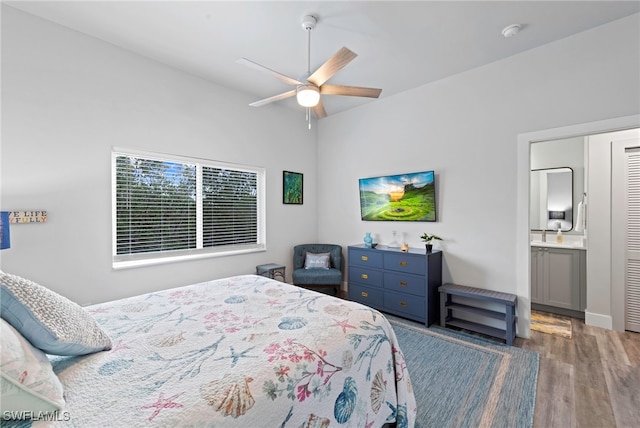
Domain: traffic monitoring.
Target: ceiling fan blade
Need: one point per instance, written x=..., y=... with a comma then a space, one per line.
x=353, y=91
x=274, y=98
x=334, y=64
x=319, y=110
x=256, y=66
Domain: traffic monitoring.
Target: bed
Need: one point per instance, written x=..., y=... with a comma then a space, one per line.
x=244, y=351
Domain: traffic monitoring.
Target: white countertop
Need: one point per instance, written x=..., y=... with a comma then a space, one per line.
x=569, y=245
x=573, y=242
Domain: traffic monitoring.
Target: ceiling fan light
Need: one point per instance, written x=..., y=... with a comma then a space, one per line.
x=308, y=95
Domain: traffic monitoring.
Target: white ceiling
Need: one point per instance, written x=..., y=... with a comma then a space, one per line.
x=400, y=45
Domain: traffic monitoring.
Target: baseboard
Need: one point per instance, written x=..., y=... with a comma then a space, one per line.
x=598, y=320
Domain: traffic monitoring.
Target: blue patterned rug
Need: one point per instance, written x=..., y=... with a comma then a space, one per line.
x=460, y=380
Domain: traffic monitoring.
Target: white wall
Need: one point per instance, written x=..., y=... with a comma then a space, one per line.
x=466, y=128
x=67, y=98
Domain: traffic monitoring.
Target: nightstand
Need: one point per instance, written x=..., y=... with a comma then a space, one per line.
x=271, y=270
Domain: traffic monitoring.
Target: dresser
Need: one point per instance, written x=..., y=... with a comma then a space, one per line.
x=400, y=283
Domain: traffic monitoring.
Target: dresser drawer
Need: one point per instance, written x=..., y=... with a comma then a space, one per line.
x=364, y=276
x=409, y=263
x=367, y=296
x=405, y=283
x=365, y=258
x=406, y=304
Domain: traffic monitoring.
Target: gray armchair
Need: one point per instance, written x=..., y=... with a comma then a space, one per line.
x=310, y=278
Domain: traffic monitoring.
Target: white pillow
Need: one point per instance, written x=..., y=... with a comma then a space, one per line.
x=317, y=260
x=29, y=386
x=49, y=321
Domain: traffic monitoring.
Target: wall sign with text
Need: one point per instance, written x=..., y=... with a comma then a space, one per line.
x=20, y=217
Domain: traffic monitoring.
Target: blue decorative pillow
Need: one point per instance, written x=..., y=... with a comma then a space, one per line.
x=317, y=260
x=48, y=320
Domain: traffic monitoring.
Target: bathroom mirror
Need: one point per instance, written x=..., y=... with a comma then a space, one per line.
x=552, y=199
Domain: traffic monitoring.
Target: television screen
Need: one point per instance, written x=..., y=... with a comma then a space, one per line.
x=402, y=197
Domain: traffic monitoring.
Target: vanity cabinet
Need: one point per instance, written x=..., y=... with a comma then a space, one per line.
x=558, y=277
x=401, y=283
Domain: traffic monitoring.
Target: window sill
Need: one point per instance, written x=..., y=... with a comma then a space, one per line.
x=164, y=259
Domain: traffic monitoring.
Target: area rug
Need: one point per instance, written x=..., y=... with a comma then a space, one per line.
x=460, y=380
x=551, y=324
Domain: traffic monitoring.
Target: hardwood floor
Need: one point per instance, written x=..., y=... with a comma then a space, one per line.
x=590, y=380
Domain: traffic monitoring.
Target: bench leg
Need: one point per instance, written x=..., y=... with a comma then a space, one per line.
x=510, y=318
x=443, y=309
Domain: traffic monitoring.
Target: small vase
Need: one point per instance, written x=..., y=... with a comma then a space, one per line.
x=429, y=248
x=367, y=240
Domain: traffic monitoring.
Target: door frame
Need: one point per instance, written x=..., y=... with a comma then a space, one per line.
x=523, y=165
x=618, y=229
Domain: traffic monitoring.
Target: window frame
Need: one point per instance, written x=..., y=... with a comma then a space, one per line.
x=120, y=261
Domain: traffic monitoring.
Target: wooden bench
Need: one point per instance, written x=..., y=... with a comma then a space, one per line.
x=448, y=309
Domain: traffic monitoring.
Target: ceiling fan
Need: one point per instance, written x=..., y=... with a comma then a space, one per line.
x=310, y=86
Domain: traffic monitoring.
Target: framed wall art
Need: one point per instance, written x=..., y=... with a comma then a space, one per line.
x=292, y=188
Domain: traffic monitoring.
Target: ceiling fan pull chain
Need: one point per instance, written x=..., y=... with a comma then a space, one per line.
x=309, y=117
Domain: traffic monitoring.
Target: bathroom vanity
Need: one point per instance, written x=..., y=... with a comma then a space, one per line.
x=558, y=278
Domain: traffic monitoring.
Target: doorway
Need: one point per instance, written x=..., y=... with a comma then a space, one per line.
x=599, y=301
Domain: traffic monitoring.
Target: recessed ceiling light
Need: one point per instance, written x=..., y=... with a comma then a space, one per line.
x=511, y=30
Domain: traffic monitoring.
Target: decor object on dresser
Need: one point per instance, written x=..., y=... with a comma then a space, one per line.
x=402, y=197
x=368, y=240
x=244, y=351
x=317, y=265
x=401, y=283
x=427, y=241
x=292, y=188
x=449, y=308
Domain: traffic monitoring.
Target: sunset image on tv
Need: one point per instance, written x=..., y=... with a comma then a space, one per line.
x=403, y=197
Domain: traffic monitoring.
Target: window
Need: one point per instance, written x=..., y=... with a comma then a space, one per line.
x=168, y=208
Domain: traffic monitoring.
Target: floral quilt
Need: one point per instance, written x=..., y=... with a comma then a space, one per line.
x=245, y=351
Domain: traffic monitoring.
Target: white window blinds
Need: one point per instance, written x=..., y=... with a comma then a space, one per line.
x=168, y=207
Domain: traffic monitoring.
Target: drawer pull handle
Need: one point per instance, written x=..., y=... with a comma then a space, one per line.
x=403, y=263
x=364, y=258
x=403, y=304
x=403, y=284
x=364, y=276
x=365, y=294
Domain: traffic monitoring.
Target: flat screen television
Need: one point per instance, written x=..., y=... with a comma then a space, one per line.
x=402, y=197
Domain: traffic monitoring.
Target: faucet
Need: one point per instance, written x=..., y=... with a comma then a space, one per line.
x=544, y=235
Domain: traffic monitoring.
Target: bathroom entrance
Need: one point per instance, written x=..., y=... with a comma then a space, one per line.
x=605, y=289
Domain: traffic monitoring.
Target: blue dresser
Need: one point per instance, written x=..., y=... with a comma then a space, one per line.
x=403, y=284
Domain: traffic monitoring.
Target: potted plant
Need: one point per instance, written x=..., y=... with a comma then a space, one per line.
x=427, y=239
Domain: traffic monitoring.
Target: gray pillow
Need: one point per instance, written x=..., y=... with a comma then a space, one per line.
x=49, y=321
x=317, y=260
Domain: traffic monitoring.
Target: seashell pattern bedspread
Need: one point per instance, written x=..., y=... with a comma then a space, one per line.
x=245, y=351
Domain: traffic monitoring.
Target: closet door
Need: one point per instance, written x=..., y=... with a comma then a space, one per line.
x=626, y=206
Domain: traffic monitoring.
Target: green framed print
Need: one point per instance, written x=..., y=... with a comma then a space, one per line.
x=292, y=188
